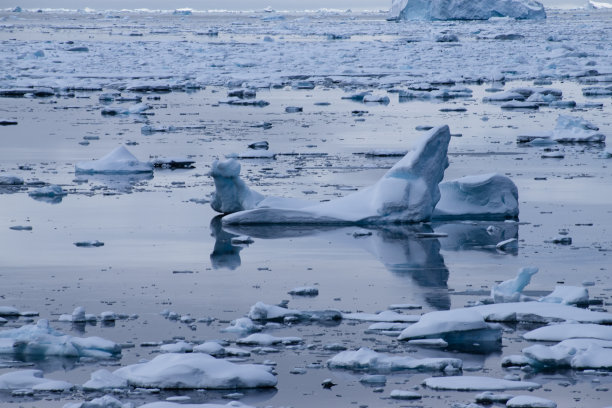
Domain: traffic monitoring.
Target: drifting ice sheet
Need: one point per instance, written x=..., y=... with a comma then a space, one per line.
x=191, y=371
x=465, y=9
x=471, y=383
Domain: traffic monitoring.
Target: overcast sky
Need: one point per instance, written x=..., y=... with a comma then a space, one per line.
x=230, y=4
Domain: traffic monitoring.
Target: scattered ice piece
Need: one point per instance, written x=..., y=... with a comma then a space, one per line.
x=447, y=38
x=370, y=360
x=304, y=291
x=294, y=109
x=510, y=290
x=10, y=180
x=104, y=380
x=231, y=193
x=195, y=370
x=540, y=312
x=50, y=191
x=404, y=306
x=41, y=340
x=242, y=325
x=404, y=395
x=530, y=401
x=385, y=153
x=252, y=154
x=262, y=311
x=487, y=196
x=262, y=339
x=131, y=110
x=119, y=161
x=489, y=397
x=8, y=311
x=210, y=347
x=471, y=383
x=370, y=98
x=179, y=347
x=384, y=316
x=504, y=96
x=105, y=401
x=560, y=332
x=520, y=105
x=568, y=295
x=572, y=129
x=95, y=243
x=33, y=380
x=373, y=379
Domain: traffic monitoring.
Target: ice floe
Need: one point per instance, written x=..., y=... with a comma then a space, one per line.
x=568, y=295
x=263, y=311
x=366, y=359
x=456, y=327
x=579, y=354
x=465, y=9
x=41, y=340
x=560, y=332
x=119, y=161
x=195, y=370
x=10, y=180
x=487, y=196
x=472, y=383
x=32, y=380
x=530, y=401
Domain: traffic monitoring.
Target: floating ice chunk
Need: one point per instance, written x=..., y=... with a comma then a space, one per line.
x=8, y=311
x=384, y=316
x=404, y=395
x=472, y=383
x=130, y=110
x=252, y=154
x=88, y=244
x=387, y=327
x=568, y=295
x=31, y=379
x=262, y=311
x=489, y=397
x=465, y=9
x=231, y=193
x=78, y=316
x=104, y=380
x=262, y=339
x=520, y=105
x=10, y=180
x=575, y=353
x=195, y=370
x=529, y=401
x=366, y=359
x=210, y=347
x=408, y=192
x=453, y=326
x=539, y=312
x=504, y=97
x=385, y=152
x=487, y=196
x=510, y=290
x=304, y=291
x=42, y=340
x=242, y=325
x=119, y=161
x=50, y=191
x=370, y=98
x=560, y=332
x=572, y=129
x=178, y=347
x=439, y=343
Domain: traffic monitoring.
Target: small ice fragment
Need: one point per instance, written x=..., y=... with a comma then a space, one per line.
x=95, y=243
x=304, y=291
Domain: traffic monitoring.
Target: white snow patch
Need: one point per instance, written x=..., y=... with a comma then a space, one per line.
x=367, y=359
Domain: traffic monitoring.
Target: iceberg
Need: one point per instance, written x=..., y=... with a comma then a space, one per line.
x=407, y=193
x=195, y=370
x=465, y=9
x=41, y=340
x=486, y=197
x=119, y=161
x=568, y=295
x=367, y=359
x=510, y=290
x=573, y=129
x=410, y=192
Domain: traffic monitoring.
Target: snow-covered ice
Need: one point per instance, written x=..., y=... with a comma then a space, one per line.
x=195, y=370
x=530, y=401
x=366, y=359
x=560, y=332
x=119, y=161
x=472, y=383
x=568, y=295
x=42, y=340
x=33, y=380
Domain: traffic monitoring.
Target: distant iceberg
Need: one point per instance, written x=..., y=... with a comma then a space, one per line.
x=428, y=10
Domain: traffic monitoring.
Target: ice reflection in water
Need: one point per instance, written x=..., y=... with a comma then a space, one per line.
x=124, y=183
x=400, y=248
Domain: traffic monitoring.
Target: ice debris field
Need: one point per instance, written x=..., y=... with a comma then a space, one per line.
x=409, y=207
